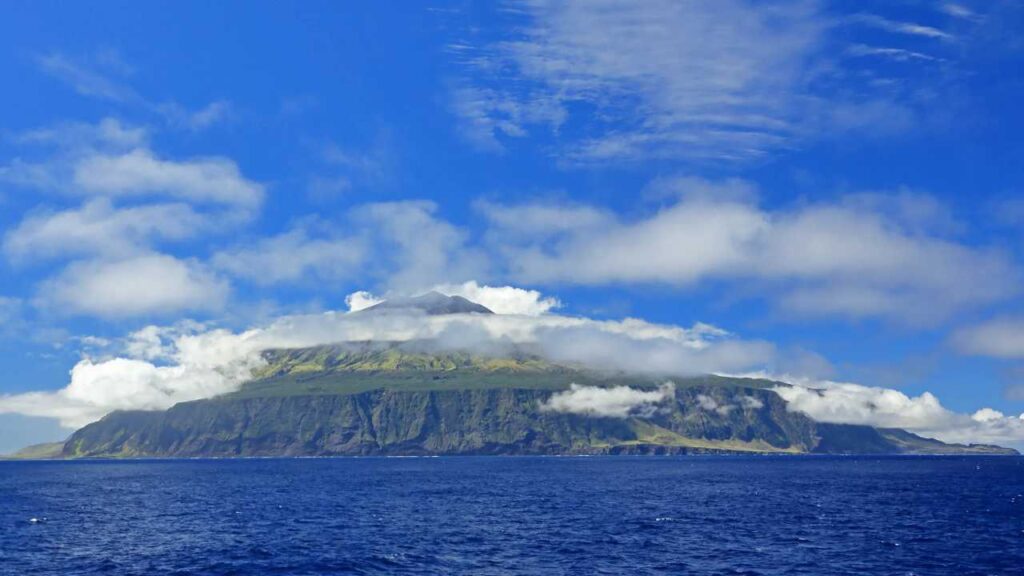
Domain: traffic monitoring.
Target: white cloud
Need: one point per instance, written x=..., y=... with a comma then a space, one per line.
x=201, y=119
x=899, y=54
x=140, y=172
x=846, y=403
x=165, y=365
x=751, y=403
x=987, y=415
x=294, y=256
x=108, y=133
x=858, y=257
x=613, y=402
x=361, y=300
x=110, y=161
x=502, y=299
x=959, y=11
x=662, y=78
x=485, y=113
x=499, y=299
x=103, y=75
x=97, y=227
x=402, y=245
x=413, y=247
x=709, y=404
x=998, y=338
x=136, y=286
x=97, y=388
x=88, y=80
x=898, y=27
x=134, y=202
x=11, y=320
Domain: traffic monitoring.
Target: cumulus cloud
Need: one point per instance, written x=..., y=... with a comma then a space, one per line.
x=97, y=227
x=134, y=203
x=361, y=300
x=114, y=160
x=141, y=285
x=861, y=256
x=159, y=366
x=415, y=247
x=140, y=172
x=613, y=402
x=499, y=299
x=846, y=403
x=402, y=245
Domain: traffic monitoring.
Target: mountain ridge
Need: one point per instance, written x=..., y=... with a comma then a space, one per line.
x=432, y=303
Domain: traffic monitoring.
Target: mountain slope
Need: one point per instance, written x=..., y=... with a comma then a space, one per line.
x=432, y=304
x=410, y=400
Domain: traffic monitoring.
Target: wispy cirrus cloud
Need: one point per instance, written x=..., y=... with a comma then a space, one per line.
x=140, y=172
x=899, y=27
x=95, y=81
x=666, y=78
x=732, y=81
x=105, y=76
x=900, y=54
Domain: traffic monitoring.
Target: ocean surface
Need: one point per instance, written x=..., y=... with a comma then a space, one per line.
x=515, y=515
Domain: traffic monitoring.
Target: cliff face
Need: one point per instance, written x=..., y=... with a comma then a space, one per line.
x=339, y=402
x=485, y=421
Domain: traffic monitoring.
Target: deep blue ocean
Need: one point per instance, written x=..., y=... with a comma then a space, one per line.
x=515, y=515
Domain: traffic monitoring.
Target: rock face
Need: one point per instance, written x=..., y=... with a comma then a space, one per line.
x=388, y=400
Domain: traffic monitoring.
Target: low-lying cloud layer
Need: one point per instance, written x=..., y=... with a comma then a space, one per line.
x=845, y=403
x=157, y=367
x=614, y=402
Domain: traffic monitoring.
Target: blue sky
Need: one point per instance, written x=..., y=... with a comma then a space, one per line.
x=843, y=181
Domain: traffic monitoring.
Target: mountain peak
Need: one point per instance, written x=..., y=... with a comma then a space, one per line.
x=432, y=303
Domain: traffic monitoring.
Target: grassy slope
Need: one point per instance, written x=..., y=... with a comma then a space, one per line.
x=328, y=370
